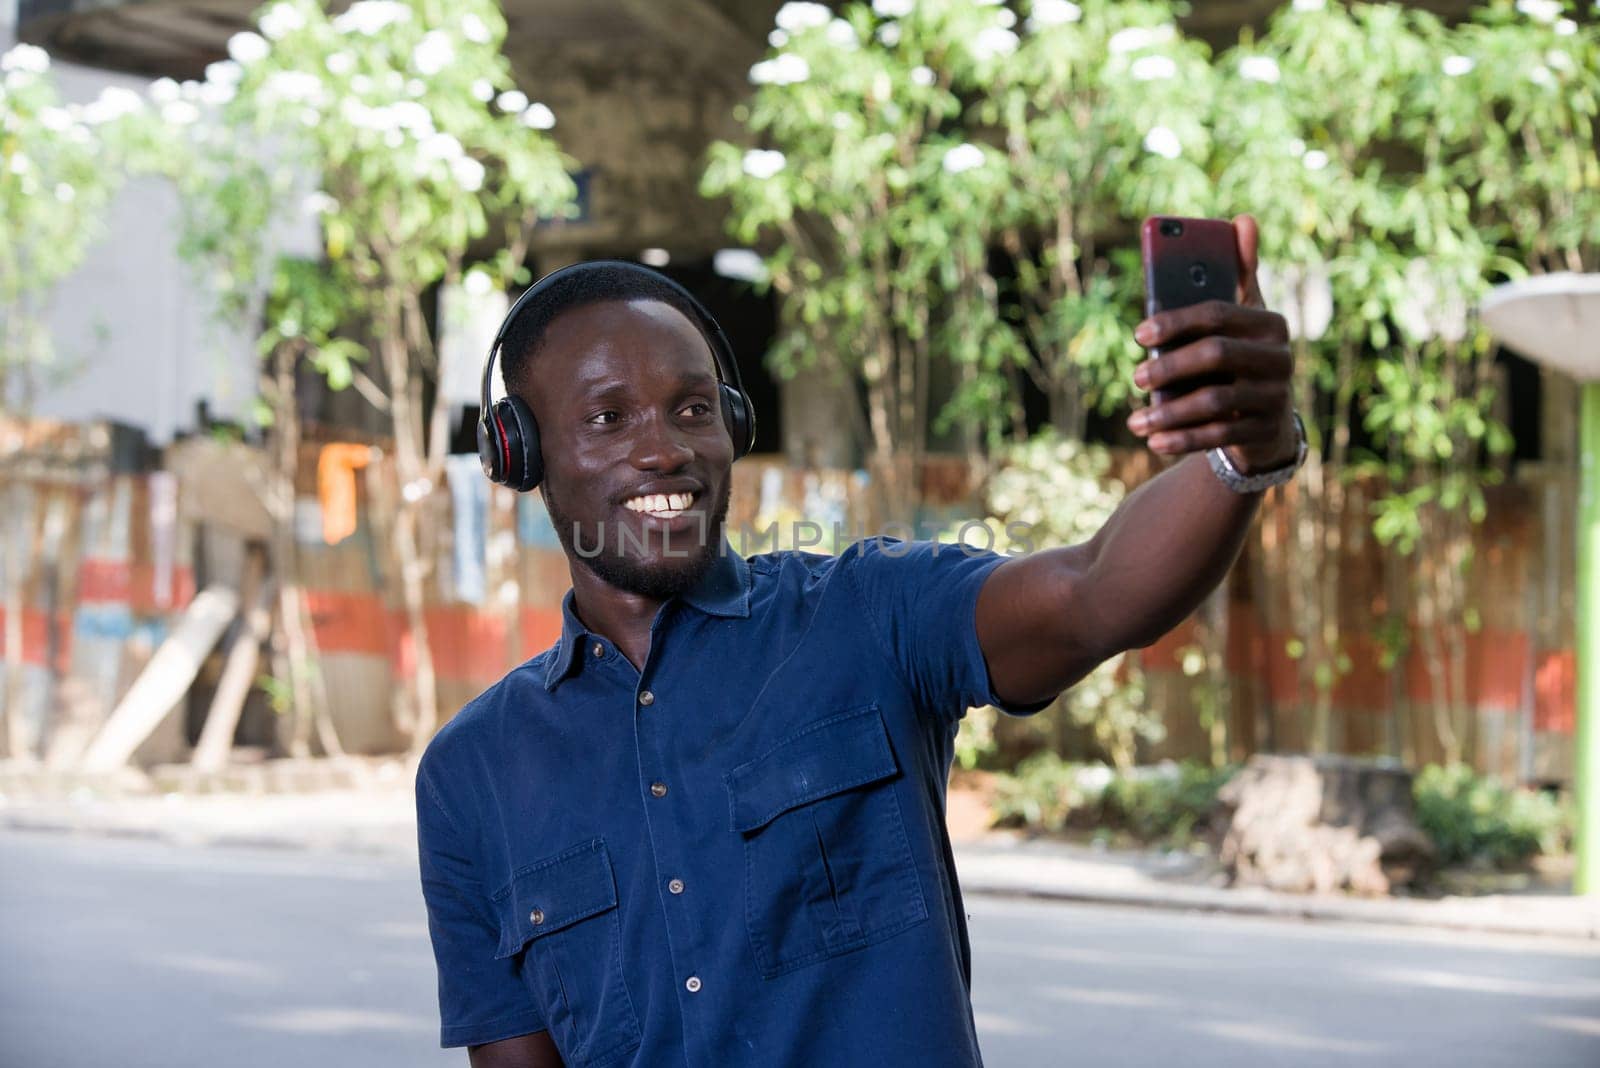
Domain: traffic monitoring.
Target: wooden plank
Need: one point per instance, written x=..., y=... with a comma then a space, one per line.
x=239, y=671
x=224, y=484
x=164, y=681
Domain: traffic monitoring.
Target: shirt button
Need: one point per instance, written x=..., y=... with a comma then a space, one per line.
x=536, y=916
x=692, y=984
x=647, y=698
x=658, y=789
x=676, y=886
x=599, y=651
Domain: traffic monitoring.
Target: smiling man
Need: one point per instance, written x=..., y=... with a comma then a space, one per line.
x=706, y=828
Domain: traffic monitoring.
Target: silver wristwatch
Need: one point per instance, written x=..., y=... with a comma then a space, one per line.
x=1239, y=482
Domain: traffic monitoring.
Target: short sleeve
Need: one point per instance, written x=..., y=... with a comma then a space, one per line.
x=481, y=999
x=921, y=598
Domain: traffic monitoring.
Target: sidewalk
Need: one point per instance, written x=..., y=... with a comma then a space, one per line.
x=997, y=864
x=378, y=818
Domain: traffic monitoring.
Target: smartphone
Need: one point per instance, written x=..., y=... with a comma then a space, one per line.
x=1187, y=261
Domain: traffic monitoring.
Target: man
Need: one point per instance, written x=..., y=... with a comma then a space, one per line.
x=707, y=827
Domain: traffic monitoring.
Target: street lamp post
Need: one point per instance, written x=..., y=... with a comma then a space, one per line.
x=1555, y=319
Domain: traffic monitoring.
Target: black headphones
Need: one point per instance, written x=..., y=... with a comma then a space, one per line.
x=508, y=436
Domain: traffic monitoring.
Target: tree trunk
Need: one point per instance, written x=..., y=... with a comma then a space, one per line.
x=413, y=586
x=291, y=652
x=1397, y=611
x=1067, y=414
x=420, y=719
x=1219, y=693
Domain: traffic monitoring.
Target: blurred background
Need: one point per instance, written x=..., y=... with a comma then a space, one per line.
x=252, y=260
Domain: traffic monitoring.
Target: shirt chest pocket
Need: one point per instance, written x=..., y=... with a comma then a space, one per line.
x=560, y=916
x=828, y=868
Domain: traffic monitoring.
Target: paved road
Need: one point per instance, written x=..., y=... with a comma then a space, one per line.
x=142, y=955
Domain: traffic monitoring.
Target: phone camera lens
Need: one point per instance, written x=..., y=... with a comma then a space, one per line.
x=1197, y=274
x=1171, y=228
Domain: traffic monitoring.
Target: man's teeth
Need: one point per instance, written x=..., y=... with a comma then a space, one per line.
x=660, y=505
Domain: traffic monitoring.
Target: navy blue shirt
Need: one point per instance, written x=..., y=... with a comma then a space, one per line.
x=736, y=856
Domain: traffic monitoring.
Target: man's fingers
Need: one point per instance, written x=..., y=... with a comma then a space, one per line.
x=1208, y=318
x=1255, y=431
x=1234, y=403
x=1240, y=357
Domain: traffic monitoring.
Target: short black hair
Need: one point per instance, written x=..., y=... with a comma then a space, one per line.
x=577, y=290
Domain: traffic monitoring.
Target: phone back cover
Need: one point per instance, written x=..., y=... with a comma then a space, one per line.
x=1170, y=263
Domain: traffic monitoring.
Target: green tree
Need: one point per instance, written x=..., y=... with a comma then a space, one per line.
x=1470, y=157
x=857, y=186
x=399, y=125
x=1102, y=116
x=1501, y=116
x=1514, y=118
x=1314, y=172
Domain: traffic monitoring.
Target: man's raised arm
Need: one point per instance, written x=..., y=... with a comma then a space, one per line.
x=1046, y=620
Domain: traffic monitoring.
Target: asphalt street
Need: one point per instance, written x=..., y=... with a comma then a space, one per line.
x=138, y=953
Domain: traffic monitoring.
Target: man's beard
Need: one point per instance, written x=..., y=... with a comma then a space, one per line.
x=678, y=573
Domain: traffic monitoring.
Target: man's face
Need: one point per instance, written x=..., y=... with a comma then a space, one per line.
x=625, y=393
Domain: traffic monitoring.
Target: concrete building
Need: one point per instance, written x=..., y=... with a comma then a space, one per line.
x=132, y=340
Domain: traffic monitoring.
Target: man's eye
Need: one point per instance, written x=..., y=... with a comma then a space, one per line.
x=604, y=418
x=698, y=408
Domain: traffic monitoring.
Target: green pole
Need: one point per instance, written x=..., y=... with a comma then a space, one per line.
x=1586, y=771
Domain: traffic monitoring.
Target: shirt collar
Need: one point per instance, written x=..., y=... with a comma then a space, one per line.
x=724, y=590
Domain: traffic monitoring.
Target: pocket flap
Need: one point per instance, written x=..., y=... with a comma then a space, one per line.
x=849, y=749
x=554, y=893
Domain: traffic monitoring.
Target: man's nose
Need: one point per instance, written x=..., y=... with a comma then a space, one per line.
x=660, y=446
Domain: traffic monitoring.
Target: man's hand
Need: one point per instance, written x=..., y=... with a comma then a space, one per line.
x=1045, y=620
x=1250, y=415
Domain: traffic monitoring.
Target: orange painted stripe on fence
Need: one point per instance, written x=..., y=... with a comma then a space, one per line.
x=143, y=583
x=1555, y=689
x=1497, y=662
x=1496, y=665
x=104, y=580
x=1163, y=655
x=468, y=644
x=351, y=623
x=540, y=629
x=119, y=582
x=36, y=637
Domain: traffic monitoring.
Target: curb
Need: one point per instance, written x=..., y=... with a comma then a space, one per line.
x=374, y=840
x=1451, y=915
x=358, y=844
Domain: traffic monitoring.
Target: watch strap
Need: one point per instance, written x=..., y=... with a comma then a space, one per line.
x=1240, y=482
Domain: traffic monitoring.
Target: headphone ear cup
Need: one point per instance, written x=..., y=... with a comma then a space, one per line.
x=739, y=419
x=524, y=466
x=490, y=448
